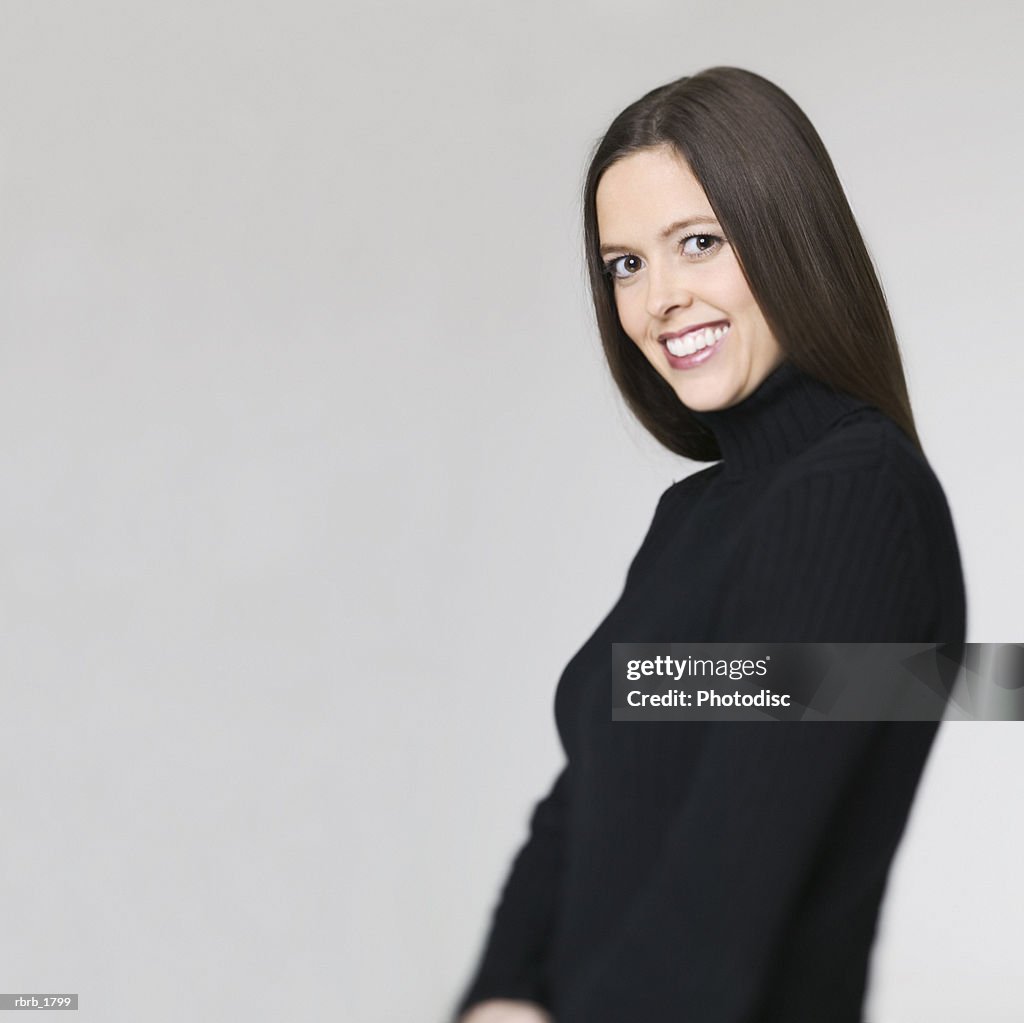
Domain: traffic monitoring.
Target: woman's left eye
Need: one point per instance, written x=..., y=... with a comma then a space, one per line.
x=705, y=243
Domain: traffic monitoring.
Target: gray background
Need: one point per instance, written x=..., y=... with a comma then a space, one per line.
x=313, y=478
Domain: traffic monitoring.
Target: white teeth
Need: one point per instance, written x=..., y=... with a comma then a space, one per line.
x=695, y=340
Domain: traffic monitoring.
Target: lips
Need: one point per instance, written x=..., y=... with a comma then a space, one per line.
x=695, y=347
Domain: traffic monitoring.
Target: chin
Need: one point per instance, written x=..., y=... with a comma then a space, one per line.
x=709, y=397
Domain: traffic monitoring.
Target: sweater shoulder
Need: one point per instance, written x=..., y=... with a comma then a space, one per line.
x=870, y=467
x=695, y=482
x=865, y=500
x=686, y=490
x=864, y=447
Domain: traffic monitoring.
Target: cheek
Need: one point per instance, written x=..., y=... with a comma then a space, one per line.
x=731, y=290
x=631, y=318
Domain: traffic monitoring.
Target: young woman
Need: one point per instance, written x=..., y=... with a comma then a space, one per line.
x=725, y=871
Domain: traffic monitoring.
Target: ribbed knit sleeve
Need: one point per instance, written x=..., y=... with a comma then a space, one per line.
x=512, y=962
x=516, y=949
x=832, y=554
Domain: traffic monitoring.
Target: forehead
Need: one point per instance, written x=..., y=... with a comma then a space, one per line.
x=646, y=190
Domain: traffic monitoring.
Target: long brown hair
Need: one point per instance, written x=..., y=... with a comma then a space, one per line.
x=778, y=198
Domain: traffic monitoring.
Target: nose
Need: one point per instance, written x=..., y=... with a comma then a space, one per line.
x=666, y=291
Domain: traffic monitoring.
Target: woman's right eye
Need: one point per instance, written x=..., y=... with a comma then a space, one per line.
x=631, y=264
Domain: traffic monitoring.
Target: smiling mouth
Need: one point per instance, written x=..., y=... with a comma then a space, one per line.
x=695, y=340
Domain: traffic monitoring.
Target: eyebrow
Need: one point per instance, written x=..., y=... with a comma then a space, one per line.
x=708, y=218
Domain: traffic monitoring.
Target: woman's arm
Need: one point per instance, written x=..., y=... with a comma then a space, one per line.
x=509, y=977
x=511, y=967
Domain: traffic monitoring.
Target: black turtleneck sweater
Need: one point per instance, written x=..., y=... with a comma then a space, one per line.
x=733, y=872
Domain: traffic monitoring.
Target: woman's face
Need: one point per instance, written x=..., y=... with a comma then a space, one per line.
x=672, y=271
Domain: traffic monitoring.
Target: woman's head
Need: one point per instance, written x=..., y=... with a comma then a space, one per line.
x=679, y=290
x=771, y=248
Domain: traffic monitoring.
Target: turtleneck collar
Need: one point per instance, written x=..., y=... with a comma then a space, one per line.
x=786, y=413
